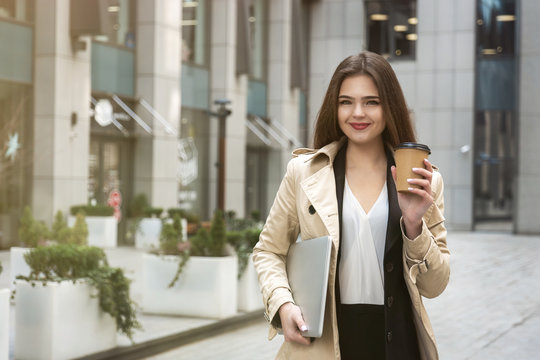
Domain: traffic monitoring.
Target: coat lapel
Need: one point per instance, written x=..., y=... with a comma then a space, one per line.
x=393, y=230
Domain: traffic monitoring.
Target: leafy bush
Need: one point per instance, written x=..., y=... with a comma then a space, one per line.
x=243, y=235
x=31, y=231
x=73, y=262
x=137, y=206
x=1, y=268
x=152, y=212
x=92, y=210
x=211, y=243
x=170, y=243
x=189, y=216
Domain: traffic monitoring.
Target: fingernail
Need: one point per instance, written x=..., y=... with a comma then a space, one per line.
x=410, y=189
x=415, y=169
x=303, y=328
x=409, y=180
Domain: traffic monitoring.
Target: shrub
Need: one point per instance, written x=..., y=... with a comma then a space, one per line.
x=31, y=231
x=152, y=212
x=92, y=210
x=137, y=206
x=73, y=262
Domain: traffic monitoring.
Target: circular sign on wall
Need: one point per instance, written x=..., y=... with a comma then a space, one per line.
x=103, y=112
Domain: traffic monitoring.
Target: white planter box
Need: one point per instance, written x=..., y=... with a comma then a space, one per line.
x=4, y=324
x=249, y=293
x=17, y=264
x=147, y=235
x=102, y=230
x=207, y=286
x=60, y=321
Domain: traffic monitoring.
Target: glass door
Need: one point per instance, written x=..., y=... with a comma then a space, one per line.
x=111, y=169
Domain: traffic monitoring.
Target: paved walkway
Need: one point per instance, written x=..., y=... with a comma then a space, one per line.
x=490, y=310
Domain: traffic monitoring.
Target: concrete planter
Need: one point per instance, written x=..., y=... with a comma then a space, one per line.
x=60, y=321
x=17, y=264
x=249, y=293
x=147, y=235
x=4, y=324
x=102, y=230
x=207, y=286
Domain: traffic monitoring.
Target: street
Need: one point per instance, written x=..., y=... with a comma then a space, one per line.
x=490, y=309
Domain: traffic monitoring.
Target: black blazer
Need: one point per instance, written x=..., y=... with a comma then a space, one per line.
x=400, y=331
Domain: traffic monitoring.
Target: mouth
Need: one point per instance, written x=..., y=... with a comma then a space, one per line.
x=359, y=126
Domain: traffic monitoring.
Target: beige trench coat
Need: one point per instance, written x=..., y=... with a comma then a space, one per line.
x=309, y=180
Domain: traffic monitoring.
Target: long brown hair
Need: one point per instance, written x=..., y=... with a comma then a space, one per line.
x=398, y=123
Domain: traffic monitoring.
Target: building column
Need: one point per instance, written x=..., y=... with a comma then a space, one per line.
x=62, y=90
x=158, y=83
x=224, y=83
x=528, y=176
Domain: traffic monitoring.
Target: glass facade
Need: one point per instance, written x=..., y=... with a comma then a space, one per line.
x=495, y=128
x=194, y=32
x=391, y=28
x=16, y=158
x=119, y=23
x=258, y=30
x=194, y=162
x=19, y=10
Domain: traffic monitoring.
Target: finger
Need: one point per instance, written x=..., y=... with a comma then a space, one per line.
x=429, y=167
x=423, y=172
x=425, y=184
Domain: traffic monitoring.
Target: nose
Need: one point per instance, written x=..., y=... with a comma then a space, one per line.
x=358, y=110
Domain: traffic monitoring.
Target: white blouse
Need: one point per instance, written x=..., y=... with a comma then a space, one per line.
x=361, y=277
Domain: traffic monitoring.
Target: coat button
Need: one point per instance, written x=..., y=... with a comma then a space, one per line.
x=389, y=301
x=311, y=209
x=389, y=337
x=389, y=267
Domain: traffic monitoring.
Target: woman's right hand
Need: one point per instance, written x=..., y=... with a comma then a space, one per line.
x=293, y=324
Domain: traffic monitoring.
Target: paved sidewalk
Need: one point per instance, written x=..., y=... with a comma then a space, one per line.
x=489, y=311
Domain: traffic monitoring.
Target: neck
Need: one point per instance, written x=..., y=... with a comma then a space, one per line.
x=366, y=155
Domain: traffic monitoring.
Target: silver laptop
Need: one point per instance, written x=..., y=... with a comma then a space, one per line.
x=308, y=264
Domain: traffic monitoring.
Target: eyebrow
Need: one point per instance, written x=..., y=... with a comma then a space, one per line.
x=370, y=97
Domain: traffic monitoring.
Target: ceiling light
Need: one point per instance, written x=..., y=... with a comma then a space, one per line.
x=113, y=8
x=412, y=21
x=412, y=37
x=489, y=51
x=400, y=28
x=190, y=4
x=378, y=17
x=251, y=19
x=506, y=18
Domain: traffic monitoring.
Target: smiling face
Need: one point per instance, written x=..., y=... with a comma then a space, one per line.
x=360, y=114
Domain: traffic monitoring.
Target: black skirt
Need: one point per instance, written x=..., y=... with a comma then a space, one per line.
x=361, y=332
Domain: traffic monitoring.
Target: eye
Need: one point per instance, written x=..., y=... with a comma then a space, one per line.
x=372, y=102
x=345, y=102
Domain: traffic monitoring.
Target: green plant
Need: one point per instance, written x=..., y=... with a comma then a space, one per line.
x=152, y=212
x=79, y=233
x=92, y=210
x=170, y=243
x=211, y=243
x=60, y=230
x=243, y=243
x=74, y=262
x=137, y=206
x=31, y=231
x=1, y=268
x=189, y=216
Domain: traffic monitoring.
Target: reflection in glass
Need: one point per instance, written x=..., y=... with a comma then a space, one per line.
x=391, y=26
x=194, y=31
x=257, y=26
x=16, y=157
x=119, y=23
x=495, y=27
x=21, y=10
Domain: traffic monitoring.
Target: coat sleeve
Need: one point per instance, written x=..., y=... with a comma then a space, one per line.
x=427, y=256
x=269, y=254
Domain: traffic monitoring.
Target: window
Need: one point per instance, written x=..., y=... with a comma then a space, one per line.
x=391, y=28
x=20, y=10
x=495, y=25
x=194, y=32
x=118, y=23
x=257, y=28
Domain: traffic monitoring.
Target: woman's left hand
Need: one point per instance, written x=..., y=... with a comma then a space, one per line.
x=415, y=203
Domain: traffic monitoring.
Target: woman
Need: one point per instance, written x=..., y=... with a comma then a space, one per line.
x=389, y=248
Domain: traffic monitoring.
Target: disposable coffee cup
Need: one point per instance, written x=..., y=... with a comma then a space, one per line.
x=409, y=155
